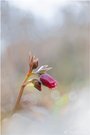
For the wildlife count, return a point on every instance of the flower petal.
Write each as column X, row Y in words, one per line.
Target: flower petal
column 48, row 81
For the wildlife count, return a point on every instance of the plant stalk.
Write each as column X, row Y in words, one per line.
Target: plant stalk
column 21, row 91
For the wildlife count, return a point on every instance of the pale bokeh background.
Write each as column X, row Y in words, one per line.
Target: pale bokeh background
column 57, row 32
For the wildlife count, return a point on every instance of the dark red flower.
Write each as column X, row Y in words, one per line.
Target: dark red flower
column 48, row 81
column 37, row 84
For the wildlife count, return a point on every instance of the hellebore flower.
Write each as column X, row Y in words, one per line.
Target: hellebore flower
column 43, row 78
column 48, row 81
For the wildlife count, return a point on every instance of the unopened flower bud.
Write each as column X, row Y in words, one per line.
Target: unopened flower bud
column 37, row 84
column 35, row 63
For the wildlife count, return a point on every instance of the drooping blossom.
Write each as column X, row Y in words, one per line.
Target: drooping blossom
column 37, row 84
column 48, row 81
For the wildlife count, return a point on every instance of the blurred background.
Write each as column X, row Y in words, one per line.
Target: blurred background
column 57, row 32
